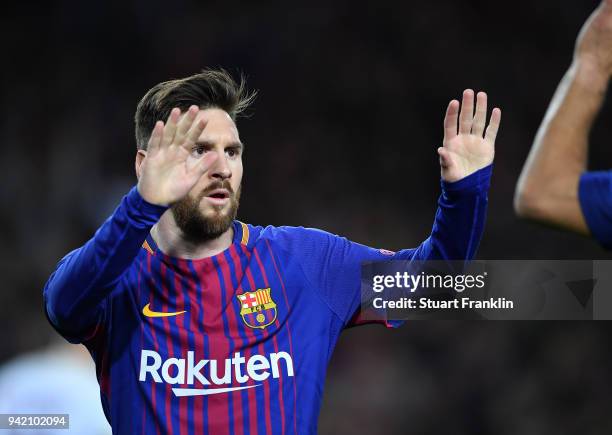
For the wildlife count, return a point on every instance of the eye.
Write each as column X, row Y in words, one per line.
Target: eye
column 199, row 150
column 232, row 152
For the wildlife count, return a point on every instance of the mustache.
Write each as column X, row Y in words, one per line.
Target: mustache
column 217, row 185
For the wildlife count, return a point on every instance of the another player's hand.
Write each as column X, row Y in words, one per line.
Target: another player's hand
column 465, row 150
column 171, row 169
column 594, row 43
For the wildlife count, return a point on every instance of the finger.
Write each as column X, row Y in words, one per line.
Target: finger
column 467, row 112
column 194, row 133
column 450, row 120
column 480, row 118
column 155, row 140
column 170, row 128
column 185, row 124
column 200, row 166
column 491, row 133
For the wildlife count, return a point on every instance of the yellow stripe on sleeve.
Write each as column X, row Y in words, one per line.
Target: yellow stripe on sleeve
column 245, row 234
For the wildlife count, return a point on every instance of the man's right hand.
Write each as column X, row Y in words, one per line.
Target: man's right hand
column 594, row 43
column 169, row 171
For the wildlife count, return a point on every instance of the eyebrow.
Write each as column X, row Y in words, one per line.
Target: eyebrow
column 211, row 144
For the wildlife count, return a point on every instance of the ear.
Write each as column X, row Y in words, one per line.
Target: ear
column 140, row 156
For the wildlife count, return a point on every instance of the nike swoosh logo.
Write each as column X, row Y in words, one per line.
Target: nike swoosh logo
column 147, row 312
column 182, row 392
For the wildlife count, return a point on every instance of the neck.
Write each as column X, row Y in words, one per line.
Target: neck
column 171, row 241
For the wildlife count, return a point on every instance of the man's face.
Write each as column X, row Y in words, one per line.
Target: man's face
column 211, row 205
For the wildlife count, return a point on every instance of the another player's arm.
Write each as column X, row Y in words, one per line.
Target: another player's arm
column 75, row 292
column 547, row 190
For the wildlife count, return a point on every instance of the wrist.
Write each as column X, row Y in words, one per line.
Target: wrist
column 140, row 205
column 589, row 74
column 476, row 182
column 146, row 196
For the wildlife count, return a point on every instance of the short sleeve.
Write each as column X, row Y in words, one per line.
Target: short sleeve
column 595, row 195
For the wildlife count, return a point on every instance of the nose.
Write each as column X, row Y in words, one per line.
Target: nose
column 221, row 169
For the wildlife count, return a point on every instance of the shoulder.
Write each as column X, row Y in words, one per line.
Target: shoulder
column 289, row 236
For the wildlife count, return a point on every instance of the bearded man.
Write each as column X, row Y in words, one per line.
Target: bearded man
column 199, row 323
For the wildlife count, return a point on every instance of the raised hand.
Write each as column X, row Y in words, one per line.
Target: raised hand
column 170, row 169
column 465, row 150
column 594, row 43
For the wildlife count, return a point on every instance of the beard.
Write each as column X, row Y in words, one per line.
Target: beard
column 196, row 226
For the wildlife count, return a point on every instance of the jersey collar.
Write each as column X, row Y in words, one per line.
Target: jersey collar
column 241, row 236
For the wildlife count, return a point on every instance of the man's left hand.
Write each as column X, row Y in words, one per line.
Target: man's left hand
column 464, row 149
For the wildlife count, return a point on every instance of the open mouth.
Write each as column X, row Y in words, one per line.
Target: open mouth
column 218, row 196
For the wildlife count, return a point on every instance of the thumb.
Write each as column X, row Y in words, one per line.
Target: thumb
column 445, row 158
column 206, row 162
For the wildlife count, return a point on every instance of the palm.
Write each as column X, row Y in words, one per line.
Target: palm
column 464, row 149
column 468, row 153
column 169, row 167
column 168, row 172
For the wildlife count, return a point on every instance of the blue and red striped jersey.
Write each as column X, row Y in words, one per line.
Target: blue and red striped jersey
column 237, row 343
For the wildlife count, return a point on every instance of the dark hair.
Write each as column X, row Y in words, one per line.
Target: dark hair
column 210, row 88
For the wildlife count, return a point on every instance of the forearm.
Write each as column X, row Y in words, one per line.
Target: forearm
column 459, row 221
column 75, row 291
column 548, row 186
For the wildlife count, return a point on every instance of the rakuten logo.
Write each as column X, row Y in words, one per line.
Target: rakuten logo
column 257, row 367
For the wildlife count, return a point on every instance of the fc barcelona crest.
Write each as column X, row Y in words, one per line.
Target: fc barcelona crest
column 257, row 308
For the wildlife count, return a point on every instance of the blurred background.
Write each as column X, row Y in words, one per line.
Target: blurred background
column 342, row 137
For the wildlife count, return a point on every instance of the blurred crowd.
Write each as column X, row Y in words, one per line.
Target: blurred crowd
column 342, row 137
